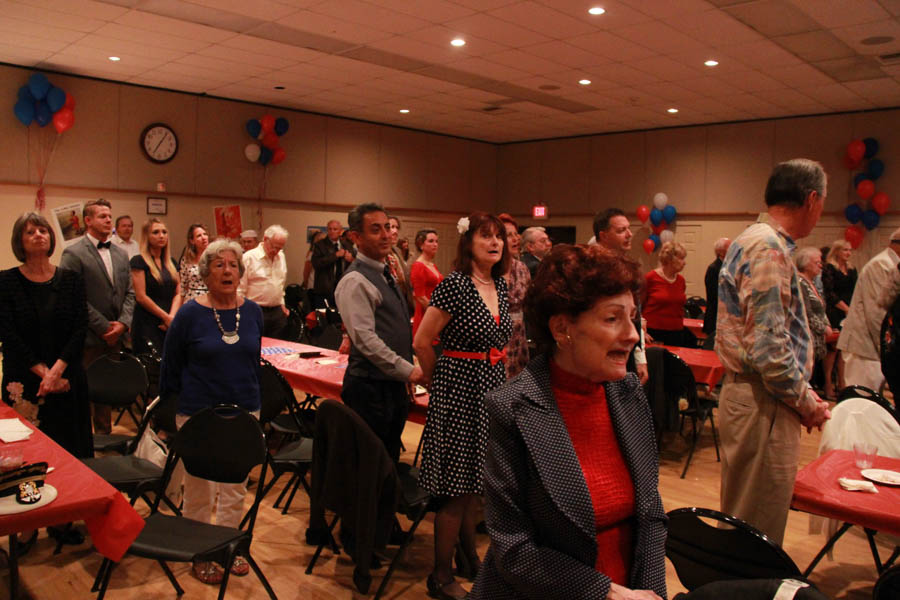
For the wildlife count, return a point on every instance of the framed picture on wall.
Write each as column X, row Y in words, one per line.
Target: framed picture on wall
column 157, row 205
column 312, row 230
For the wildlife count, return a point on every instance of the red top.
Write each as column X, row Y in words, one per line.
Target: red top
column 664, row 302
column 423, row 281
column 584, row 410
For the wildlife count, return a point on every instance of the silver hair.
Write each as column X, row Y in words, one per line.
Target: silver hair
column 217, row 249
column 804, row 256
column 720, row 245
column 529, row 236
column 273, row 231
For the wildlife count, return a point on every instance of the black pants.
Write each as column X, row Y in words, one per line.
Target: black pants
column 383, row 405
column 274, row 322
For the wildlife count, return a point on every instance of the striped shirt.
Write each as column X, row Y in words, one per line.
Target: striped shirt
column 762, row 327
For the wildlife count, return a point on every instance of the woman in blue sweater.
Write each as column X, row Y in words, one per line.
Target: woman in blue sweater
column 211, row 357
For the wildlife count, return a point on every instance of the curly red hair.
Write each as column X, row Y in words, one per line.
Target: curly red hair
column 571, row 279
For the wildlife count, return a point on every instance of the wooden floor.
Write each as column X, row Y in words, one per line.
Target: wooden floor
column 279, row 548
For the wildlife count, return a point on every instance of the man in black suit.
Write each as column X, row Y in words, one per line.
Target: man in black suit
column 712, row 287
column 537, row 245
column 108, row 290
column 330, row 258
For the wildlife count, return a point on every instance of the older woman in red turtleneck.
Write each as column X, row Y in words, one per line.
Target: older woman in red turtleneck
column 571, row 474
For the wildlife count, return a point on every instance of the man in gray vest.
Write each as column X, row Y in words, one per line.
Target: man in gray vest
column 376, row 316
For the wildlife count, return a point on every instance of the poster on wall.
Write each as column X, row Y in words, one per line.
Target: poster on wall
column 312, row 230
column 228, row 221
column 70, row 222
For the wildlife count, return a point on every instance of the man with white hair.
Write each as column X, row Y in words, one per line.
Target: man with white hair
column 537, row 245
column 712, row 287
column 265, row 273
column 860, row 340
column 249, row 239
column 331, row 256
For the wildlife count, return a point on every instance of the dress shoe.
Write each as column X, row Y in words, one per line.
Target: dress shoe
column 439, row 590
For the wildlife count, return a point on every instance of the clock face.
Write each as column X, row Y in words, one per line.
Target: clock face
column 159, row 143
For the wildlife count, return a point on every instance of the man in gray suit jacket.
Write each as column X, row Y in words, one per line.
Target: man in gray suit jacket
column 110, row 295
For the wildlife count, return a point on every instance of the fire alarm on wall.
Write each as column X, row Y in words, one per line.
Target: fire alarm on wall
column 539, row 211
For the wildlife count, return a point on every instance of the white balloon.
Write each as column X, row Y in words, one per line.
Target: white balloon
column 251, row 151
column 660, row 200
column 666, row 235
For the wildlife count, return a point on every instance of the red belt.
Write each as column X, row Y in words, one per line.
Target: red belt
column 493, row 355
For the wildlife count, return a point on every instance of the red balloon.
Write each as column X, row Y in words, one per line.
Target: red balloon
column 643, row 213
column 268, row 124
column 657, row 229
column 270, row 140
column 881, row 203
column 856, row 150
column 70, row 101
column 278, row 155
column 850, row 163
column 865, row 189
column 854, row 235
column 63, row 119
column 649, row 246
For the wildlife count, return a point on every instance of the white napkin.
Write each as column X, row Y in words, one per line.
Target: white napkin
column 13, row 430
column 857, row 485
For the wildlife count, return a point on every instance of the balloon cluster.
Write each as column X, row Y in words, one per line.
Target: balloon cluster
column 268, row 130
column 42, row 102
column 661, row 216
column 864, row 183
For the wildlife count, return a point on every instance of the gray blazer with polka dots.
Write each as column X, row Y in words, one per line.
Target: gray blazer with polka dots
column 538, row 508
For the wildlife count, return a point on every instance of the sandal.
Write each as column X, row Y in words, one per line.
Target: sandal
column 240, row 567
column 207, row 572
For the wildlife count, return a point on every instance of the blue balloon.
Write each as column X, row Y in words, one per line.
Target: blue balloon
column 854, row 213
column 870, row 219
column 56, row 99
column 669, row 213
column 876, row 168
column 265, row 155
column 38, row 85
column 656, row 241
column 25, row 94
column 656, row 216
column 42, row 113
column 859, row 177
column 253, row 128
column 281, row 126
column 871, row 147
column 24, row 111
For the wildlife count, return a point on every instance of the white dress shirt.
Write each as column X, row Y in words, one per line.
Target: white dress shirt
column 264, row 278
column 130, row 247
column 105, row 255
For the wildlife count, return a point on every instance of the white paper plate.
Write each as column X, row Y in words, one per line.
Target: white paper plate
column 881, row 476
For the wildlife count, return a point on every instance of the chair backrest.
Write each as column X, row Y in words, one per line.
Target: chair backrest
column 276, row 394
column 145, row 422
column 327, row 335
column 888, row 585
column 116, row 381
column 693, row 307
column 151, row 361
column 858, row 419
column 679, row 379
column 702, row 553
column 221, row 443
column 294, row 296
column 861, row 391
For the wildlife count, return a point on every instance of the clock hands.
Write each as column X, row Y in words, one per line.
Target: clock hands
column 165, row 135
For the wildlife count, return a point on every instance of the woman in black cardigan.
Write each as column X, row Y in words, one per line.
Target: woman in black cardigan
column 571, row 475
column 43, row 321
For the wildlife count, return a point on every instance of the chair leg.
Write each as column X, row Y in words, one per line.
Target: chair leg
column 712, row 424
column 284, row 491
column 890, row 561
column 406, row 541
column 261, row 577
column 105, row 583
column 100, row 573
column 326, row 537
column 870, row 533
column 171, row 577
column 694, row 437
column 415, row 461
column 225, row 576
column 297, row 479
column 828, row 546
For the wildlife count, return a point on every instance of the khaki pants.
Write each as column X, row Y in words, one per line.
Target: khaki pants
column 760, row 443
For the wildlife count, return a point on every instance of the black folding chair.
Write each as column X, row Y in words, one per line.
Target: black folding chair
column 118, row 382
column 888, row 585
column 221, row 444
column 861, row 391
column 703, row 553
column 693, row 307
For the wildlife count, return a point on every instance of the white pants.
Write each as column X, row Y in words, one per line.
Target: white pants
column 862, row 371
column 200, row 495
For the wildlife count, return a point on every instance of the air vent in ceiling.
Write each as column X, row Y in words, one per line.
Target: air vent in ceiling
column 889, row 59
column 492, row 109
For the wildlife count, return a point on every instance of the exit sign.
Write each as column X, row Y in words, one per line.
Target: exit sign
column 539, row 211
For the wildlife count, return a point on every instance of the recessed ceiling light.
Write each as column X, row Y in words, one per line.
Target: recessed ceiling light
column 114, row 58
column 279, row 87
column 711, row 63
column 596, row 10
column 458, row 42
column 672, row 110
column 584, row 81
column 404, row 110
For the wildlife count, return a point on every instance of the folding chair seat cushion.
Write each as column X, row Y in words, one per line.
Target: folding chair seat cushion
column 123, row 471
column 299, row 451
column 165, row 537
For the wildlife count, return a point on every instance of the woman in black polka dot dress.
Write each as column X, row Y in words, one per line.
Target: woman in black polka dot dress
column 469, row 310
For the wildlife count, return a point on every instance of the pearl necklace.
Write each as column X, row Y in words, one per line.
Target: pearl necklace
column 482, row 281
column 229, row 337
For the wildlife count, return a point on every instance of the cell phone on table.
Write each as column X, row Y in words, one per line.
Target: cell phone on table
column 310, row 354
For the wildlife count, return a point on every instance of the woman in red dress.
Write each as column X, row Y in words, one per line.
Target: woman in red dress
column 424, row 275
column 664, row 298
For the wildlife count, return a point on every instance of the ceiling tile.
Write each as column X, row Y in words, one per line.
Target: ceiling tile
column 265, row 10
column 442, row 35
column 371, row 15
column 800, row 76
column 21, row 55
column 543, row 18
column 413, row 48
column 835, row 14
column 250, row 58
column 564, row 53
column 83, row 8
column 773, row 17
column 715, row 28
column 36, row 30
column 12, row 39
column 269, row 48
column 880, row 91
column 854, row 35
column 47, row 16
column 122, row 48
column 151, row 38
column 502, row 32
column 750, row 81
column 523, row 61
column 660, row 37
column 603, row 76
column 710, row 86
column 611, row 46
column 761, row 55
column 215, row 63
column 815, row 45
column 149, row 22
column 666, row 69
column 345, row 30
column 434, row 11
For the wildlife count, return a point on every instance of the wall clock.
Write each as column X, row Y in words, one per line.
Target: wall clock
column 159, row 143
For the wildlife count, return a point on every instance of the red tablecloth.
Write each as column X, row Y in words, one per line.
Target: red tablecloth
column 307, row 374
column 817, row 491
column 695, row 326
column 83, row 495
column 704, row 364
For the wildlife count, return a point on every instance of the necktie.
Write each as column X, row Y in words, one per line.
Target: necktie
column 389, row 277
column 101, row 245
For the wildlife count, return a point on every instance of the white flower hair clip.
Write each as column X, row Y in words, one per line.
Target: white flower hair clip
column 462, row 226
